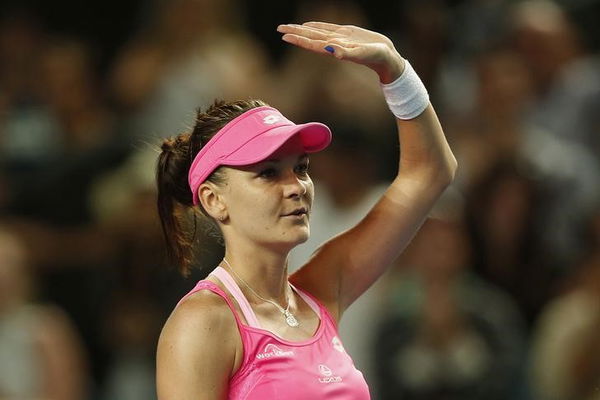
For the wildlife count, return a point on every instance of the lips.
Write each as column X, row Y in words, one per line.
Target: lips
column 297, row 212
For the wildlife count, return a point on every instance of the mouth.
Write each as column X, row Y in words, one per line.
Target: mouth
column 297, row 213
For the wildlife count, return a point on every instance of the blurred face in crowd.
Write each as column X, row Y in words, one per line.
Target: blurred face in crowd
column 504, row 84
column 440, row 250
column 509, row 210
column 545, row 38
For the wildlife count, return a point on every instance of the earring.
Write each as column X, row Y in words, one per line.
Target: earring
column 222, row 218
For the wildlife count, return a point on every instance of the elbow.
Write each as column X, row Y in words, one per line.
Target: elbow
column 439, row 173
column 444, row 173
column 451, row 166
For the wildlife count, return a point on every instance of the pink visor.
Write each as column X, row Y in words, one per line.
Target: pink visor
column 251, row 138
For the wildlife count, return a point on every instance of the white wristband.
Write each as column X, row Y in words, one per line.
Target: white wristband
column 406, row 96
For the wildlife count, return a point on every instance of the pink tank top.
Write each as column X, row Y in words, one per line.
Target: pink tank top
column 274, row 368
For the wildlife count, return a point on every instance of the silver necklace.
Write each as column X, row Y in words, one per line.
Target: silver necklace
column 289, row 317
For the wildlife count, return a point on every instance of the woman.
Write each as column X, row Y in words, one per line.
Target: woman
column 257, row 333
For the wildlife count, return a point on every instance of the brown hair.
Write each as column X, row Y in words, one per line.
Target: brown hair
column 174, row 193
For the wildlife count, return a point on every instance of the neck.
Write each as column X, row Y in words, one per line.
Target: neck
column 264, row 271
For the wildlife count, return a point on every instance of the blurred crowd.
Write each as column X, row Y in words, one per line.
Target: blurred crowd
column 498, row 295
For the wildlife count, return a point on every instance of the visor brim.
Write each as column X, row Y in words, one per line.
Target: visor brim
column 314, row 136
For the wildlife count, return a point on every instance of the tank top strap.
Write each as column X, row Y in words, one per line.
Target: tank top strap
column 208, row 285
column 308, row 299
column 235, row 291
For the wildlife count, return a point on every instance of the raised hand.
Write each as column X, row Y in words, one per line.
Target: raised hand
column 347, row 42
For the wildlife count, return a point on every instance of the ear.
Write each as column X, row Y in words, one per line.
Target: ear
column 211, row 200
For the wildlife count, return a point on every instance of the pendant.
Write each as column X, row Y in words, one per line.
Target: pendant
column 290, row 319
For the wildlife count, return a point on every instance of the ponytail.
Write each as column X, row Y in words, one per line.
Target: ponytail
column 175, row 204
column 174, row 197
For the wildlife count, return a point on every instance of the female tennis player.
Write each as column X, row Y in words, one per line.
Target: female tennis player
column 250, row 330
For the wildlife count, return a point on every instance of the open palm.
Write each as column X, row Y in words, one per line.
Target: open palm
column 346, row 42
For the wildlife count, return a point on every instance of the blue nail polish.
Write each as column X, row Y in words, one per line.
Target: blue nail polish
column 329, row 49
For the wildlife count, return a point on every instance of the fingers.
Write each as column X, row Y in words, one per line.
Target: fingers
column 313, row 38
column 333, row 47
column 309, row 32
column 306, row 43
column 323, row 25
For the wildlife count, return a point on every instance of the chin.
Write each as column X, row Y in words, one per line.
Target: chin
column 303, row 239
column 298, row 238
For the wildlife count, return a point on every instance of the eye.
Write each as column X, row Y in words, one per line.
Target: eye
column 302, row 168
column 268, row 173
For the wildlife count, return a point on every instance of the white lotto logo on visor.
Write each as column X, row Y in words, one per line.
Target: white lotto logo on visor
column 271, row 119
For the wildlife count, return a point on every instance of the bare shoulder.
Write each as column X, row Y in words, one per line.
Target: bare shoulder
column 202, row 318
column 203, row 309
column 198, row 350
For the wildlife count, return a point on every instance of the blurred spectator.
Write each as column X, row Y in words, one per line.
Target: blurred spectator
column 497, row 129
column 188, row 53
column 493, row 129
column 421, row 34
column 503, row 212
column 20, row 40
column 60, row 138
column 40, row 352
column 566, row 345
column 20, row 43
column 53, row 146
column 447, row 334
column 132, row 330
column 563, row 140
column 124, row 207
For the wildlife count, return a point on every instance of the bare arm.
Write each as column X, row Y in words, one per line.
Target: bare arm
column 347, row 265
column 198, row 350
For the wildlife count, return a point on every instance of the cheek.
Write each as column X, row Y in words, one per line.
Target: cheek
column 310, row 191
column 310, row 188
column 252, row 206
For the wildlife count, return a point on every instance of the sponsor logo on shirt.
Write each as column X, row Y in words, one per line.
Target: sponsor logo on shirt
column 327, row 375
column 272, row 351
column 337, row 344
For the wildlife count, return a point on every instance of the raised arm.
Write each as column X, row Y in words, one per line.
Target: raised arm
column 347, row 265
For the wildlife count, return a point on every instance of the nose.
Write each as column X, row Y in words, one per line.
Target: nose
column 294, row 186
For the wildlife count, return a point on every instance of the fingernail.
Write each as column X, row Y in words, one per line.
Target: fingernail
column 329, row 49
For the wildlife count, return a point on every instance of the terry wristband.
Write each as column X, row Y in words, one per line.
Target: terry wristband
column 406, row 97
